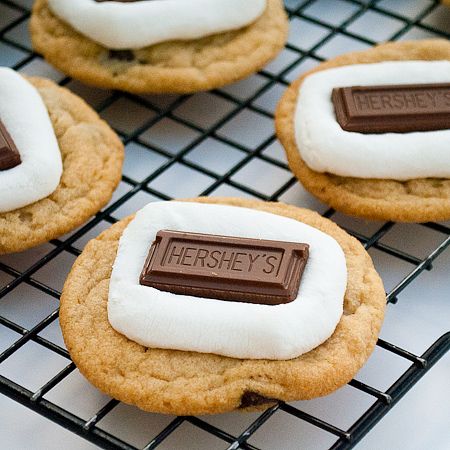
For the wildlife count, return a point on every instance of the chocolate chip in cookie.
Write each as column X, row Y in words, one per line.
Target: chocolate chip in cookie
column 121, row 55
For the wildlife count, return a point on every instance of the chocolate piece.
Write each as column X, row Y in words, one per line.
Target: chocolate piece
column 225, row 268
column 250, row 398
column 393, row 108
column 121, row 55
column 9, row 155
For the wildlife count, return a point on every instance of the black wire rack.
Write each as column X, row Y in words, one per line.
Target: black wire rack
column 408, row 21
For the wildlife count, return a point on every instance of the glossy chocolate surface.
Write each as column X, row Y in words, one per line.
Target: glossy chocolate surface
column 393, row 108
column 9, row 155
column 225, row 268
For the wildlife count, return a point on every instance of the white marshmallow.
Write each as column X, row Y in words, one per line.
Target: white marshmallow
column 119, row 26
column 25, row 116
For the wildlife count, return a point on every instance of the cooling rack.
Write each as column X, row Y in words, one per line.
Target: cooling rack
column 218, row 143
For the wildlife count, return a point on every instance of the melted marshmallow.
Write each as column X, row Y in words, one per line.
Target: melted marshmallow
column 242, row 330
column 326, row 147
column 119, row 26
column 25, row 116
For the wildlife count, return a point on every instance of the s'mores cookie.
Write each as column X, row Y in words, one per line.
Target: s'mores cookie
column 159, row 46
column 218, row 305
column 368, row 132
column 59, row 162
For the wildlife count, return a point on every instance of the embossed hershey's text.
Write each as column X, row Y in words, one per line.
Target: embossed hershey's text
column 402, row 101
column 223, row 258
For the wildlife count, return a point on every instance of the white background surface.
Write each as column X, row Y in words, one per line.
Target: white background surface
column 420, row 421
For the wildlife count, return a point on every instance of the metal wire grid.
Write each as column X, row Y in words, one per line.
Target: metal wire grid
column 298, row 10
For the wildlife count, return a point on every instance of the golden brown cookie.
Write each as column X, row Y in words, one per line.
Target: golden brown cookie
column 92, row 156
column 177, row 66
column 418, row 200
column 177, row 382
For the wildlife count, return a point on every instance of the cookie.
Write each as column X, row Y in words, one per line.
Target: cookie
column 175, row 66
column 187, row 382
column 90, row 155
column 405, row 200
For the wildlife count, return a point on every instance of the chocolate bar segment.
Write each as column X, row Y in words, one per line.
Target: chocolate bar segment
column 225, row 268
column 9, row 155
column 393, row 108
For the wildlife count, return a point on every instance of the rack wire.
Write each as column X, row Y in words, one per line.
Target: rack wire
column 397, row 20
